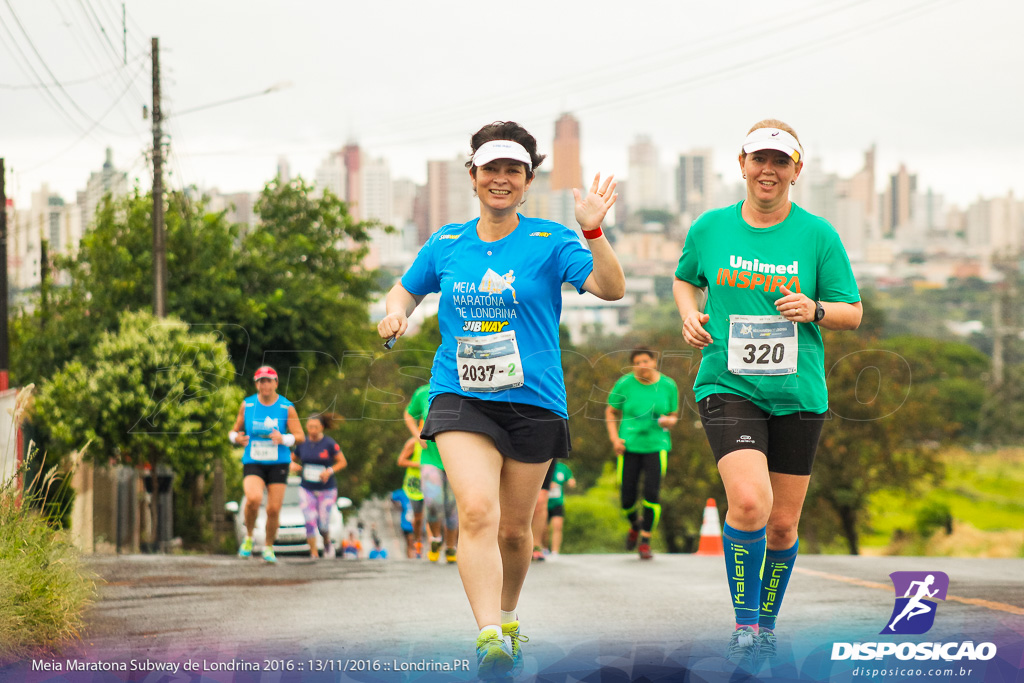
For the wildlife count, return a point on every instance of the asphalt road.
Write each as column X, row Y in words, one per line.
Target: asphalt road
column 618, row 617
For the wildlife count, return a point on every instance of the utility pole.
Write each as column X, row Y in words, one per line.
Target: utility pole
column 159, row 247
column 159, row 259
column 1005, row 315
column 4, row 361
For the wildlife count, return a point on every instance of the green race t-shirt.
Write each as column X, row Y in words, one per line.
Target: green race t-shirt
column 411, row 480
column 641, row 405
column 743, row 269
column 556, row 493
column 419, row 404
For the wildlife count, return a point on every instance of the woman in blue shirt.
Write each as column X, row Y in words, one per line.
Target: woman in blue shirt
column 498, row 408
column 265, row 462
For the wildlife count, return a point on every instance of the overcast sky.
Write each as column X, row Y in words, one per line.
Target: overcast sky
column 934, row 84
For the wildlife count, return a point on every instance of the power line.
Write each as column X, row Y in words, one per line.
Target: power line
column 56, row 82
column 87, row 132
column 79, row 81
column 34, row 74
column 625, row 71
column 103, row 31
column 663, row 90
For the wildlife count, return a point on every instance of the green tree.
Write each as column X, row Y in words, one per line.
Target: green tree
column 1002, row 415
column 154, row 393
column 290, row 292
column 875, row 436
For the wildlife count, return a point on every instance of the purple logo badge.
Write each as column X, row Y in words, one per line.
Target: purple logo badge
column 916, row 596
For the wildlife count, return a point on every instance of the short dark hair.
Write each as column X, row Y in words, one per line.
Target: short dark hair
column 505, row 130
column 641, row 351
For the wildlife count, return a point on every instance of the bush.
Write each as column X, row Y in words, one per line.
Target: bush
column 43, row 587
column 931, row 516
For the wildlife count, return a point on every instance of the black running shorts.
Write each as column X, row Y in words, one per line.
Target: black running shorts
column 520, row 431
column 733, row 423
column 270, row 474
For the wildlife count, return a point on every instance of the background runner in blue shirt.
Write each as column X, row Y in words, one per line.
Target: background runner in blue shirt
column 498, row 408
column 265, row 462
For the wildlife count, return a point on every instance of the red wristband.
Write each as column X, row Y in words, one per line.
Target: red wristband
column 593, row 234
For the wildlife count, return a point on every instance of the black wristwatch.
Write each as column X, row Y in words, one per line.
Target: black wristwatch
column 819, row 312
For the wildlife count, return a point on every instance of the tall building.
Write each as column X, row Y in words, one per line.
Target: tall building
column 284, row 169
column 861, row 188
column 352, row 157
column 108, row 180
column 695, row 184
column 330, row 175
column 450, row 197
column 898, row 201
column 239, row 207
column 403, row 213
column 375, row 193
column 566, row 171
column 995, row 226
column 644, row 188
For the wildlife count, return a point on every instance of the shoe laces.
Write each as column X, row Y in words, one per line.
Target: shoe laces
column 742, row 643
column 515, row 637
column 766, row 642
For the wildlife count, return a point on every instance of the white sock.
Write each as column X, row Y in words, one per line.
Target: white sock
column 506, row 617
column 496, row 629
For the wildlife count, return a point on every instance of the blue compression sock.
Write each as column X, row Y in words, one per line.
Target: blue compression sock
column 744, row 562
column 778, row 567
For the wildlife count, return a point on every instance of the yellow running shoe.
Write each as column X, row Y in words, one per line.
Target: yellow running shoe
column 434, row 554
column 245, row 550
column 449, row 555
column 493, row 660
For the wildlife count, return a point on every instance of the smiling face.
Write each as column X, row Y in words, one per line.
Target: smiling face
column 769, row 174
column 501, row 185
column 314, row 428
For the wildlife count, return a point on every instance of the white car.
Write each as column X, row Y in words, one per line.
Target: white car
column 291, row 532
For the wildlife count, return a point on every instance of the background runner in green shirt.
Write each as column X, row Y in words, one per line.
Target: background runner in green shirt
column 556, row 503
column 438, row 499
column 773, row 274
column 642, row 407
column 409, row 458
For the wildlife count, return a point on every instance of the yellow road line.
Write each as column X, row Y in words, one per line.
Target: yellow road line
column 988, row 604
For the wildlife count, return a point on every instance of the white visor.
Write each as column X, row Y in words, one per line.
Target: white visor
column 773, row 138
column 502, row 149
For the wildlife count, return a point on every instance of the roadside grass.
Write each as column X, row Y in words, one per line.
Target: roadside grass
column 983, row 496
column 44, row 588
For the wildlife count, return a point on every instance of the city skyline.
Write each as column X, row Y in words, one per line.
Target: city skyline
column 929, row 85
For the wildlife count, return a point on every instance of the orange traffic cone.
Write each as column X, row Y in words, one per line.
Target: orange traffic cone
column 710, row 531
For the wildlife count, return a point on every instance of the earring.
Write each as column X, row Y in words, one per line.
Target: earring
column 792, row 182
column 744, row 176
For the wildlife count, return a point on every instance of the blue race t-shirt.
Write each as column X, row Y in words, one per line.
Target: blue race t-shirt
column 316, row 456
column 260, row 421
column 513, row 285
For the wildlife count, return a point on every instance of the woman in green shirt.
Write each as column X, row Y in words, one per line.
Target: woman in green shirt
column 772, row 274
